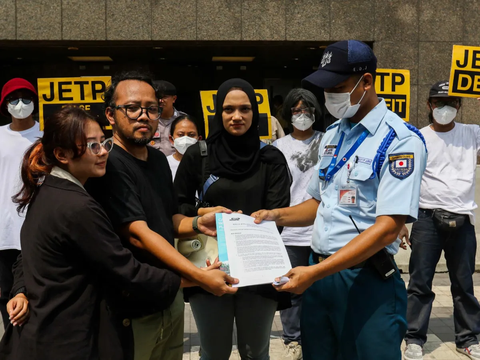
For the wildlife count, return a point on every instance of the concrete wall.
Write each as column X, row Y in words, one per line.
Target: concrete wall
column 411, row 34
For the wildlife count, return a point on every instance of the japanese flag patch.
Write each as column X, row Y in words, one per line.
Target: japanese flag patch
column 401, row 165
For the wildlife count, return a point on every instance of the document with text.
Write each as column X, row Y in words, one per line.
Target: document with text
column 253, row 253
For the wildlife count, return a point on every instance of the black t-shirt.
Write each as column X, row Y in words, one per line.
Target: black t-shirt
column 134, row 190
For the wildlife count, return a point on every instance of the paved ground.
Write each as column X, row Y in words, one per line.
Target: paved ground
column 440, row 343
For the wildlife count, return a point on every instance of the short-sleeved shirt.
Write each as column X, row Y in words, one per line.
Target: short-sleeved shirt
column 449, row 179
column 134, row 190
column 395, row 191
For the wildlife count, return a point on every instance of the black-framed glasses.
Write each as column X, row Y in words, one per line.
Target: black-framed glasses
column 133, row 112
column 303, row 110
column 15, row 101
column 96, row 147
column 441, row 103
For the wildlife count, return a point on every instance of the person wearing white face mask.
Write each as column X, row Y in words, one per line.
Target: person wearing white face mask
column 300, row 147
column 445, row 223
column 18, row 101
column 183, row 134
column 354, row 299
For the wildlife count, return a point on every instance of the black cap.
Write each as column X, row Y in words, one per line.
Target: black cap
column 165, row 87
column 342, row 60
column 440, row 89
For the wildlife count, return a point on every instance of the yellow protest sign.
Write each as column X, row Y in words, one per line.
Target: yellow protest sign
column 394, row 86
column 265, row 127
column 465, row 72
column 84, row 92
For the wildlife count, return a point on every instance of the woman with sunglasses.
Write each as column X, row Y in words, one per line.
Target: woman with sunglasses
column 250, row 177
column 70, row 253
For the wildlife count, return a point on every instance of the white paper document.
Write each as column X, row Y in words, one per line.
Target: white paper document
column 253, row 253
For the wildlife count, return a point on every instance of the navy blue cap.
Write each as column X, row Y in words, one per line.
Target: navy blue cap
column 342, row 60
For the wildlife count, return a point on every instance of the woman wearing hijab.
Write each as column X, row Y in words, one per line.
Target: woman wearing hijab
column 249, row 178
column 70, row 252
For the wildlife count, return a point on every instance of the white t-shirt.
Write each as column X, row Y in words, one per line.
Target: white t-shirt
column 302, row 156
column 449, row 179
column 173, row 165
column 13, row 145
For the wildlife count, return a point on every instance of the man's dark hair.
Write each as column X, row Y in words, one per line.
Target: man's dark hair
column 109, row 96
column 179, row 119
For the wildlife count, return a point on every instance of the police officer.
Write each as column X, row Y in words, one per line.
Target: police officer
column 366, row 186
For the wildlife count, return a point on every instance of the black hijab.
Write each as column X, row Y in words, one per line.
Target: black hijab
column 236, row 156
column 229, row 155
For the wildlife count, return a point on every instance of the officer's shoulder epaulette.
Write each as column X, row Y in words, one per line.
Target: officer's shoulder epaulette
column 334, row 125
column 398, row 125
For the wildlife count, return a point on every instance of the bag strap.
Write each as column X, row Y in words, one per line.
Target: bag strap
column 204, row 153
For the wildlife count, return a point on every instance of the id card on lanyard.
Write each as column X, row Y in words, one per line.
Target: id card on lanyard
column 347, row 195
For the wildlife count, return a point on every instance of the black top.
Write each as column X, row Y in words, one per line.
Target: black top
column 70, row 254
column 268, row 187
column 134, row 190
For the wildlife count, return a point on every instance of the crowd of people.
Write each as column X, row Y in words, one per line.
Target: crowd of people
column 88, row 265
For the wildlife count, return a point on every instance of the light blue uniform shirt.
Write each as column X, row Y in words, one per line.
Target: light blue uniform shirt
column 387, row 195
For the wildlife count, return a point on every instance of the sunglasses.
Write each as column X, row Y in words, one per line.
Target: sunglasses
column 96, row 147
column 15, row 101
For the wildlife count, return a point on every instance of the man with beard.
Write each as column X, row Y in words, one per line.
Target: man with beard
column 137, row 194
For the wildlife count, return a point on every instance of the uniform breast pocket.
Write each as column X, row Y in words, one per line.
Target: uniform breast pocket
column 361, row 177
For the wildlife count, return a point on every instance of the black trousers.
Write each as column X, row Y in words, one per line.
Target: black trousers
column 7, row 259
column 460, row 247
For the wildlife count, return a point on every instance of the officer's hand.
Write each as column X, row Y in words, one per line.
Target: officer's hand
column 261, row 215
column 17, row 309
column 403, row 235
column 218, row 282
column 301, row 278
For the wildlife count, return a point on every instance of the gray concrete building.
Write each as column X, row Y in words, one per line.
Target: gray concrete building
column 177, row 40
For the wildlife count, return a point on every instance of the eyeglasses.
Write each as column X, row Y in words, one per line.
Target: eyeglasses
column 133, row 112
column 303, row 110
column 440, row 103
column 96, row 147
column 15, row 101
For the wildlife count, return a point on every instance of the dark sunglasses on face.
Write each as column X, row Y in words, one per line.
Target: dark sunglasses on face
column 15, row 101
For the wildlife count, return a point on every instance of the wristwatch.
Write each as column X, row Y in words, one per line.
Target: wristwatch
column 195, row 225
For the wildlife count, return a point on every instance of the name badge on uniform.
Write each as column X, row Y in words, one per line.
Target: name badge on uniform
column 329, row 150
column 347, row 196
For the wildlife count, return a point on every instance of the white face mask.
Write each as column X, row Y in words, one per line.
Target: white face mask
column 303, row 121
column 339, row 105
column 21, row 110
column 444, row 115
column 183, row 143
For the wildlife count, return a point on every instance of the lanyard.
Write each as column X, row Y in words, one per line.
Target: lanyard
column 332, row 168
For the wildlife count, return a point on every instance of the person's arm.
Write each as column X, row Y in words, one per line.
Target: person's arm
column 368, row 243
column 214, row 281
column 17, row 307
column 386, row 228
column 296, row 216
